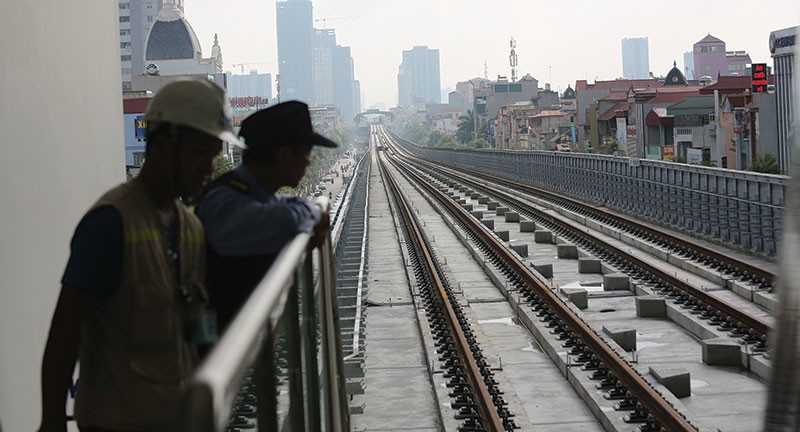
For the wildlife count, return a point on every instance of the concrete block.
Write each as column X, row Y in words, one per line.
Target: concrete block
column 589, row 265
column 521, row 249
column 527, row 226
column 651, row 306
column 474, row 195
column 461, row 201
column 616, row 281
column 489, row 223
column 676, row 380
column 483, row 200
column 545, row 269
column 568, row 251
column 512, row 216
column 578, row 296
column 467, row 207
column 477, row 214
column 504, row 235
column 501, row 211
column 721, row 352
column 543, row 236
column 492, row 205
column 625, row 337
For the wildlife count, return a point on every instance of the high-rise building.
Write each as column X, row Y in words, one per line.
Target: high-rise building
column 343, row 81
column 324, row 45
column 418, row 79
column 295, row 32
column 333, row 73
column 249, row 85
column 688, row 65
column 135, row 19
column 635, row 58
column 782, row 44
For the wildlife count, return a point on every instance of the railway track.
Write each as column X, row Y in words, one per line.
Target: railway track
column 473, row 390
column 751, row 329
column 586, row 348
column 719, row 261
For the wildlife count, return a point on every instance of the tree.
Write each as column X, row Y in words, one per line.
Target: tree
column 221, row 166
column 766, row 163
column 466, row 127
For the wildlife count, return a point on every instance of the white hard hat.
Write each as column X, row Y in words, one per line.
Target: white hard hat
column 194, row 102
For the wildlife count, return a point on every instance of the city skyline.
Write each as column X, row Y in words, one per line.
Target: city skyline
column 469, row 33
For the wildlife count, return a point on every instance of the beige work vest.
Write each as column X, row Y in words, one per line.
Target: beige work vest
column 134, row 356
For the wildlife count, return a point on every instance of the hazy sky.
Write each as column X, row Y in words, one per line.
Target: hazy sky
column 557, row 41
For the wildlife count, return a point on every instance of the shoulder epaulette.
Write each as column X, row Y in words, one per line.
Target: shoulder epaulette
column 238, row 185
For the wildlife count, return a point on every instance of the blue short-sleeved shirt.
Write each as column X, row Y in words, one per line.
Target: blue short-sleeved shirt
column 253, row 223
column 95, row 259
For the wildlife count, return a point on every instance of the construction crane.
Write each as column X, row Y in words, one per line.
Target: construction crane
column 325, row 20
column 242, row 65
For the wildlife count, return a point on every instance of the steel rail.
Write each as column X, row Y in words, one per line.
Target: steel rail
column 708, row 253
column 756, row 324
column 489, row 417
column 669, row 417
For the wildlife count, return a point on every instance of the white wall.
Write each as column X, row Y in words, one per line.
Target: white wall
column 62, row 145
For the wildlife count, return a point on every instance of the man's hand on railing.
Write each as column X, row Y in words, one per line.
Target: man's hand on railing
column 321, row 228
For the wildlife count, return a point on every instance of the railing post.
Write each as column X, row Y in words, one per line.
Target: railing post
column 265, row 385
column 337, row 414
column 294, row 357
column 308, row 330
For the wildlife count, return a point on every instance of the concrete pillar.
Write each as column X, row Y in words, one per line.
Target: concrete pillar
column 521, row 249
column 578, row 296
column 651, row 306
column 625, row 337
column 616, row 281
column 567, row 251
column 677, row 380
column 721, row 352
column 589, row 265
column 545, row 269
column 543, row 236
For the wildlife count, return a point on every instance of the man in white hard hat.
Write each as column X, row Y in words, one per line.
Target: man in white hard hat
column 132, row 302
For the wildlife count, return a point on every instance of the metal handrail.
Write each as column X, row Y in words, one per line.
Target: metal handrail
column 289, row 298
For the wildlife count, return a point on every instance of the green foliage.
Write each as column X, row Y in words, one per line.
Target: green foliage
column 708, row 163
column 221, row 166
column 466, row 127
column 679, row 159
column 766, row 163
column 440, row 139
column 478, row 143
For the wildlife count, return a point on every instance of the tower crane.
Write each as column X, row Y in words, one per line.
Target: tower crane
column 242, row 65
column 325, row 20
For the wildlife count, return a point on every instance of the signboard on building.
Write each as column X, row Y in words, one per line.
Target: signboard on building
column 694, row 156
column 758, row 77
column 668, row 152
column 139, row 126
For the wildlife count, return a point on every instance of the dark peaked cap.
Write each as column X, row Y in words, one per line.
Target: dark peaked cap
column 284, row 124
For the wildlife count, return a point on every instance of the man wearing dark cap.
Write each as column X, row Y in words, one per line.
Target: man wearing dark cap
column 246, row 222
